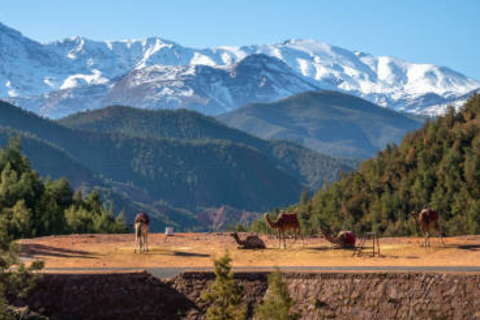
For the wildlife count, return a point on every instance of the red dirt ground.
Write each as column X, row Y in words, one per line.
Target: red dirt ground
column 198, row 249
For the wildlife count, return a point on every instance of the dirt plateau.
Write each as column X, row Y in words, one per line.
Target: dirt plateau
column 139, row 295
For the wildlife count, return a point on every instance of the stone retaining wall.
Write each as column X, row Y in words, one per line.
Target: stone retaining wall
column 317, row 295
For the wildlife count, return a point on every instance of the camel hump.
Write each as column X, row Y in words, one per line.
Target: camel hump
column 143, row 218
column 289, row 217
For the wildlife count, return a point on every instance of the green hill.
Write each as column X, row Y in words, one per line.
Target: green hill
column 437, row 165
column 189, row 173
column 49, row 160
column 206, row 165
column 311, row 169
column 330, row 122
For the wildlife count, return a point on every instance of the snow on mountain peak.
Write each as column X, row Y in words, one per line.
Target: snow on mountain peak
column 37, row 70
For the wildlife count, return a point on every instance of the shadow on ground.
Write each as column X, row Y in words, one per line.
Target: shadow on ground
column 31, row 250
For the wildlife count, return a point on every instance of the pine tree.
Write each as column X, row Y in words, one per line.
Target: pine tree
column 224, row 295
column 15, row 282
column 305, row 197
column 277, row 303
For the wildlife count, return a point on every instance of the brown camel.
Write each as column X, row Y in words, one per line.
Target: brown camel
column 427, row 220
column 250, row 242
column 141, row 232
column 344, row 239
column 285, row 222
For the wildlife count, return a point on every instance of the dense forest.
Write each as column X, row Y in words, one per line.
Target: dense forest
column 30, row 206
column 310, row 168
column 437, row 165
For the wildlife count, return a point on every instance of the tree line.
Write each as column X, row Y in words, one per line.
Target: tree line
column 437, row 166
column 31, row 206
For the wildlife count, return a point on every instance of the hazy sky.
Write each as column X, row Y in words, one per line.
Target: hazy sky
column 434, row 31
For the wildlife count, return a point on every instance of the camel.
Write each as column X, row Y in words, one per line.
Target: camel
column 141, row 232
column 344, row 239
column 285, row 222
column 250, row 242
column 427, row 220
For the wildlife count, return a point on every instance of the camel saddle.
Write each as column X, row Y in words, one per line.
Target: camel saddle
column 350, row 238
column 429, row 215
column 143, row 218
column 289, row 217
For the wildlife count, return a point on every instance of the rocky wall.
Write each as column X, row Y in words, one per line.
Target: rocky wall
column 317, row 295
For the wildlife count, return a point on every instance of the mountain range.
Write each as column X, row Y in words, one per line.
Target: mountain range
column 63, row 77
column 173, row 164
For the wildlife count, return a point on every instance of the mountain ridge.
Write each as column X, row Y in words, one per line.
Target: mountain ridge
column 330, row 122
column 78, row 63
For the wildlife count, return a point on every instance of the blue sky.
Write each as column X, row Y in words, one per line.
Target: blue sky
column 434, row 31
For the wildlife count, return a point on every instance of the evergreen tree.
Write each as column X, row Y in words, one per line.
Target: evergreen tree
column 437, row 165
column 305, row 197
column 30, row 207
column 16, row 282
column 224, row 295
column 277, row 303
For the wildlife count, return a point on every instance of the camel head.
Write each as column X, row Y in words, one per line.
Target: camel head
column 415, row 214
column 325, row 231
column 272, row 224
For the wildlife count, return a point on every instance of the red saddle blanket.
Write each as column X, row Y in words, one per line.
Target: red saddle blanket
column 350, row 237
column 428, row 215
column 289, row 217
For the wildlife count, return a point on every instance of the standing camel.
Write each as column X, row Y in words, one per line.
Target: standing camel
column 427, row 220
column 285, row 222
column 141, row 232
column 344, row 239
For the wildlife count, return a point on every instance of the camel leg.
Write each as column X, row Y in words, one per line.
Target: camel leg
column 136, row 242
column 279, row 238
column 146, row 241
column 284, row 240
column 427, row 240
column 440, row 235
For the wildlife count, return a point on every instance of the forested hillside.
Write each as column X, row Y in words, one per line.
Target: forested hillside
column 178, row 161
column 310, row 168
column 181, row 172
column 438, row 165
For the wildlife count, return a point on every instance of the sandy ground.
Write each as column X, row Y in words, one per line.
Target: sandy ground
column 198, row 250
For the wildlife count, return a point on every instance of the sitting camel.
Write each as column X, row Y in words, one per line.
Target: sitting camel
column 427, row 220
column 250, row 242
column 344, row 239
column 285, row 222
column 141, row 232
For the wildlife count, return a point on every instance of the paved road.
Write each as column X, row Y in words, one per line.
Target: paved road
column 167, row 272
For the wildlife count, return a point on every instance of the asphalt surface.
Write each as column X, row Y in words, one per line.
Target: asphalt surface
column 169, row 272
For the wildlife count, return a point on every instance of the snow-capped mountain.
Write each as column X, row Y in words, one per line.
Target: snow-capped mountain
column 70, row 75
column 257, row 78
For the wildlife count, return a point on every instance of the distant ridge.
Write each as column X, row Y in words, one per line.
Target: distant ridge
column 329, row 122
